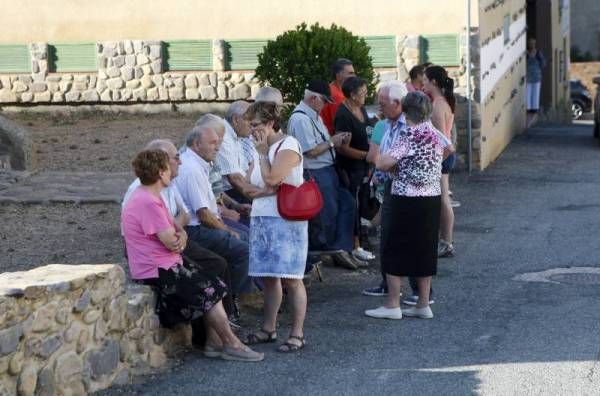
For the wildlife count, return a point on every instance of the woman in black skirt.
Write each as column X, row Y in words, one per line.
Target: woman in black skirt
column 411, row 208
column 185, row 293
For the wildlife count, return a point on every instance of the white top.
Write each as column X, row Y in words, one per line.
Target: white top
column 267, row 206
column 193, row 183
column 231, row 158
column 169, row 195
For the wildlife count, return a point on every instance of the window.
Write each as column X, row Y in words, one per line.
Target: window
column 382, row 50
column 506, row 30
column 78, row 57
column 187, row 55
column 15, row 59
column 243, row 54
column 440, row 49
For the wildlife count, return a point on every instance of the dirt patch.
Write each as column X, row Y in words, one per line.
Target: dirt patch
column 97, row 141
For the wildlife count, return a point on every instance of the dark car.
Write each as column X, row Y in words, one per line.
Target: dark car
column 581, row 99
column 597, row 108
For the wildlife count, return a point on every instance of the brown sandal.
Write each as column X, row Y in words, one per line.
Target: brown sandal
column 288, row 347
column 253, row 338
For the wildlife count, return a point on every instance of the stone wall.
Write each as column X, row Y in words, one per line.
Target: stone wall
column 585, row 71
column 74, row 329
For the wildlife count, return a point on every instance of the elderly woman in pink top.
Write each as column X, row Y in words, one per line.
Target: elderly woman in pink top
column 184, row 292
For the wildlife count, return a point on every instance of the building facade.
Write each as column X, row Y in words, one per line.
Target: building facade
column 126, row 52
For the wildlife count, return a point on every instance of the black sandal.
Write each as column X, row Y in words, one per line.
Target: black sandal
column 288, row 347
column 253, row 338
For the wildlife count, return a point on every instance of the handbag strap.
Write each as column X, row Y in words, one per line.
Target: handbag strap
column 316, row 128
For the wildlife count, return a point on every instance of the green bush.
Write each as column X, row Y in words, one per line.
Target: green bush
column 297, row 56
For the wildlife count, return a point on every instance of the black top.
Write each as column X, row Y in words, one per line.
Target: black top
column 345, row 121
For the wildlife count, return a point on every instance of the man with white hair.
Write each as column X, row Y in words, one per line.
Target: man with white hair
column 332, row 229
column 206, row 225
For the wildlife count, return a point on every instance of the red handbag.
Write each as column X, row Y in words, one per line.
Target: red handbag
column 299, row 203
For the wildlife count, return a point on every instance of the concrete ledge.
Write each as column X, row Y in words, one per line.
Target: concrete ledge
column 74, row 329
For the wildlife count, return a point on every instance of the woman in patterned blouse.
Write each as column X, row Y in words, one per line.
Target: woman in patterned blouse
column 411, row 208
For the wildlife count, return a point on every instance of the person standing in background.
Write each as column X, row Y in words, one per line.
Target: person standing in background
column 535, row 63
column 341, row 70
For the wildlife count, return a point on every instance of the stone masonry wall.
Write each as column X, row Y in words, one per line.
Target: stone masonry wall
column 585, row 71
column 75, row 329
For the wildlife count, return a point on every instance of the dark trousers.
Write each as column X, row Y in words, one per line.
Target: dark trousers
column 384, row 212
column 233, row 250
column 356, row 178
column 332, row 228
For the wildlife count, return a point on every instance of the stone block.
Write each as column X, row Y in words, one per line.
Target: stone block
column 113, row 71
column 82, row 302
column 142, row 59
column 139, row 73
column 208, row 93
column 222, row 92
column 213, row 79
column 127, row 72
column 80, row 85
column 7, row 96
column 163, row 93
column 133, row 84
column 139, row 94
column 65, row 86
column 35, row 68
column 138, row 45
column 46, row 386
column 91, row 96
column 128, row 47
column 203, row 80
column 72, row 96
column 130, row 60
column 168, row 83
column 42, row 97
column 44, row 317
column 240, row 92
column 126, row 94
column 68, row 367
column 192, row 94
column 53, row 87
column 100, row 330
column 27, row 97
column 152, row 94
column 119, row 61
column 9, row 339
column 155, row 52
column 91, row 316
column 191, row 81
column 157, row 79
column 115, row 83
column 176, row 93
column 27, row 380
column 82, row 340
column 104, row 360
column 147, row 70
column 25, row 79
column 387, row 76
column 157, row 67
column 147, row 82
column 58, row 97
column 157, row 358
column 16, row 363
column 19, row 86
column 105, row 96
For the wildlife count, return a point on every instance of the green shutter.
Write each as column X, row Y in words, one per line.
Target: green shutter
column 243, row 54
column 14, row 59
column 382, row 50
column 73, row 57
column 440, row 49
column 187, row 55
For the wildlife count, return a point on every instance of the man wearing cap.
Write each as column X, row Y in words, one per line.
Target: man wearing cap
column 340, row 70
column 332, row 229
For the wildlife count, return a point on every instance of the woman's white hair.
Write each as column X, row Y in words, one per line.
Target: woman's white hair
column 396, row 90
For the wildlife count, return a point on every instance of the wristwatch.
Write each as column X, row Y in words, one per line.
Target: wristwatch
column 331, row 144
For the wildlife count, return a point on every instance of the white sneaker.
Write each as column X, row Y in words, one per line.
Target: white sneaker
column 385, row 313
column 423, row 313
column 363, row 254
column 454, row 204
column 412, row 300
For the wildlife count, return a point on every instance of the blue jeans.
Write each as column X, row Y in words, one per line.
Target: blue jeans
column 333, row 227
column 233, row 250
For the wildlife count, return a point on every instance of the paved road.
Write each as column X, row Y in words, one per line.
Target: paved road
column 536, row 208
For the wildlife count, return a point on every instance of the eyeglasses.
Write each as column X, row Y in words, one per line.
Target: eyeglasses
column 362, row 93
column 256, row 124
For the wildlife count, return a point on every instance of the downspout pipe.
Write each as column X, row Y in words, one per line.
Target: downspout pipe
column 469, row 108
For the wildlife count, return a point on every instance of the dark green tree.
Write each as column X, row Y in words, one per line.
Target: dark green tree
column 295, row 57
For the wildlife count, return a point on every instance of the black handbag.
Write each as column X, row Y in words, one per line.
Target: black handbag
column 368, row 204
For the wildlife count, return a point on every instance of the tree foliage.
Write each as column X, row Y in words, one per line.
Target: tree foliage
column 295, row 57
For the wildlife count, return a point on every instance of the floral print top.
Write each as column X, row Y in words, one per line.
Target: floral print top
column 419, row 151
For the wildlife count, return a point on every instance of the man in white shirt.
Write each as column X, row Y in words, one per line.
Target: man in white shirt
column 206, row 226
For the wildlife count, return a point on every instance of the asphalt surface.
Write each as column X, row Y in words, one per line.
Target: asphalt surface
column 536, row 208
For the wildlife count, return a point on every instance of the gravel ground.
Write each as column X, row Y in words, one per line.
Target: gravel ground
column 97, row 141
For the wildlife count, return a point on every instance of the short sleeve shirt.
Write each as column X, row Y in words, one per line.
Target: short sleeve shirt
column 330, row 109
column 143, row 217
column 345, row 121
column 378, row 131
column 267, row 206
column 231, row 158
column 193, row 182
column 419, row 152
column 308, row 128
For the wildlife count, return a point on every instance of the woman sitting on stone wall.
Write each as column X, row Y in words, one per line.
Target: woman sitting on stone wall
column 185, row 292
